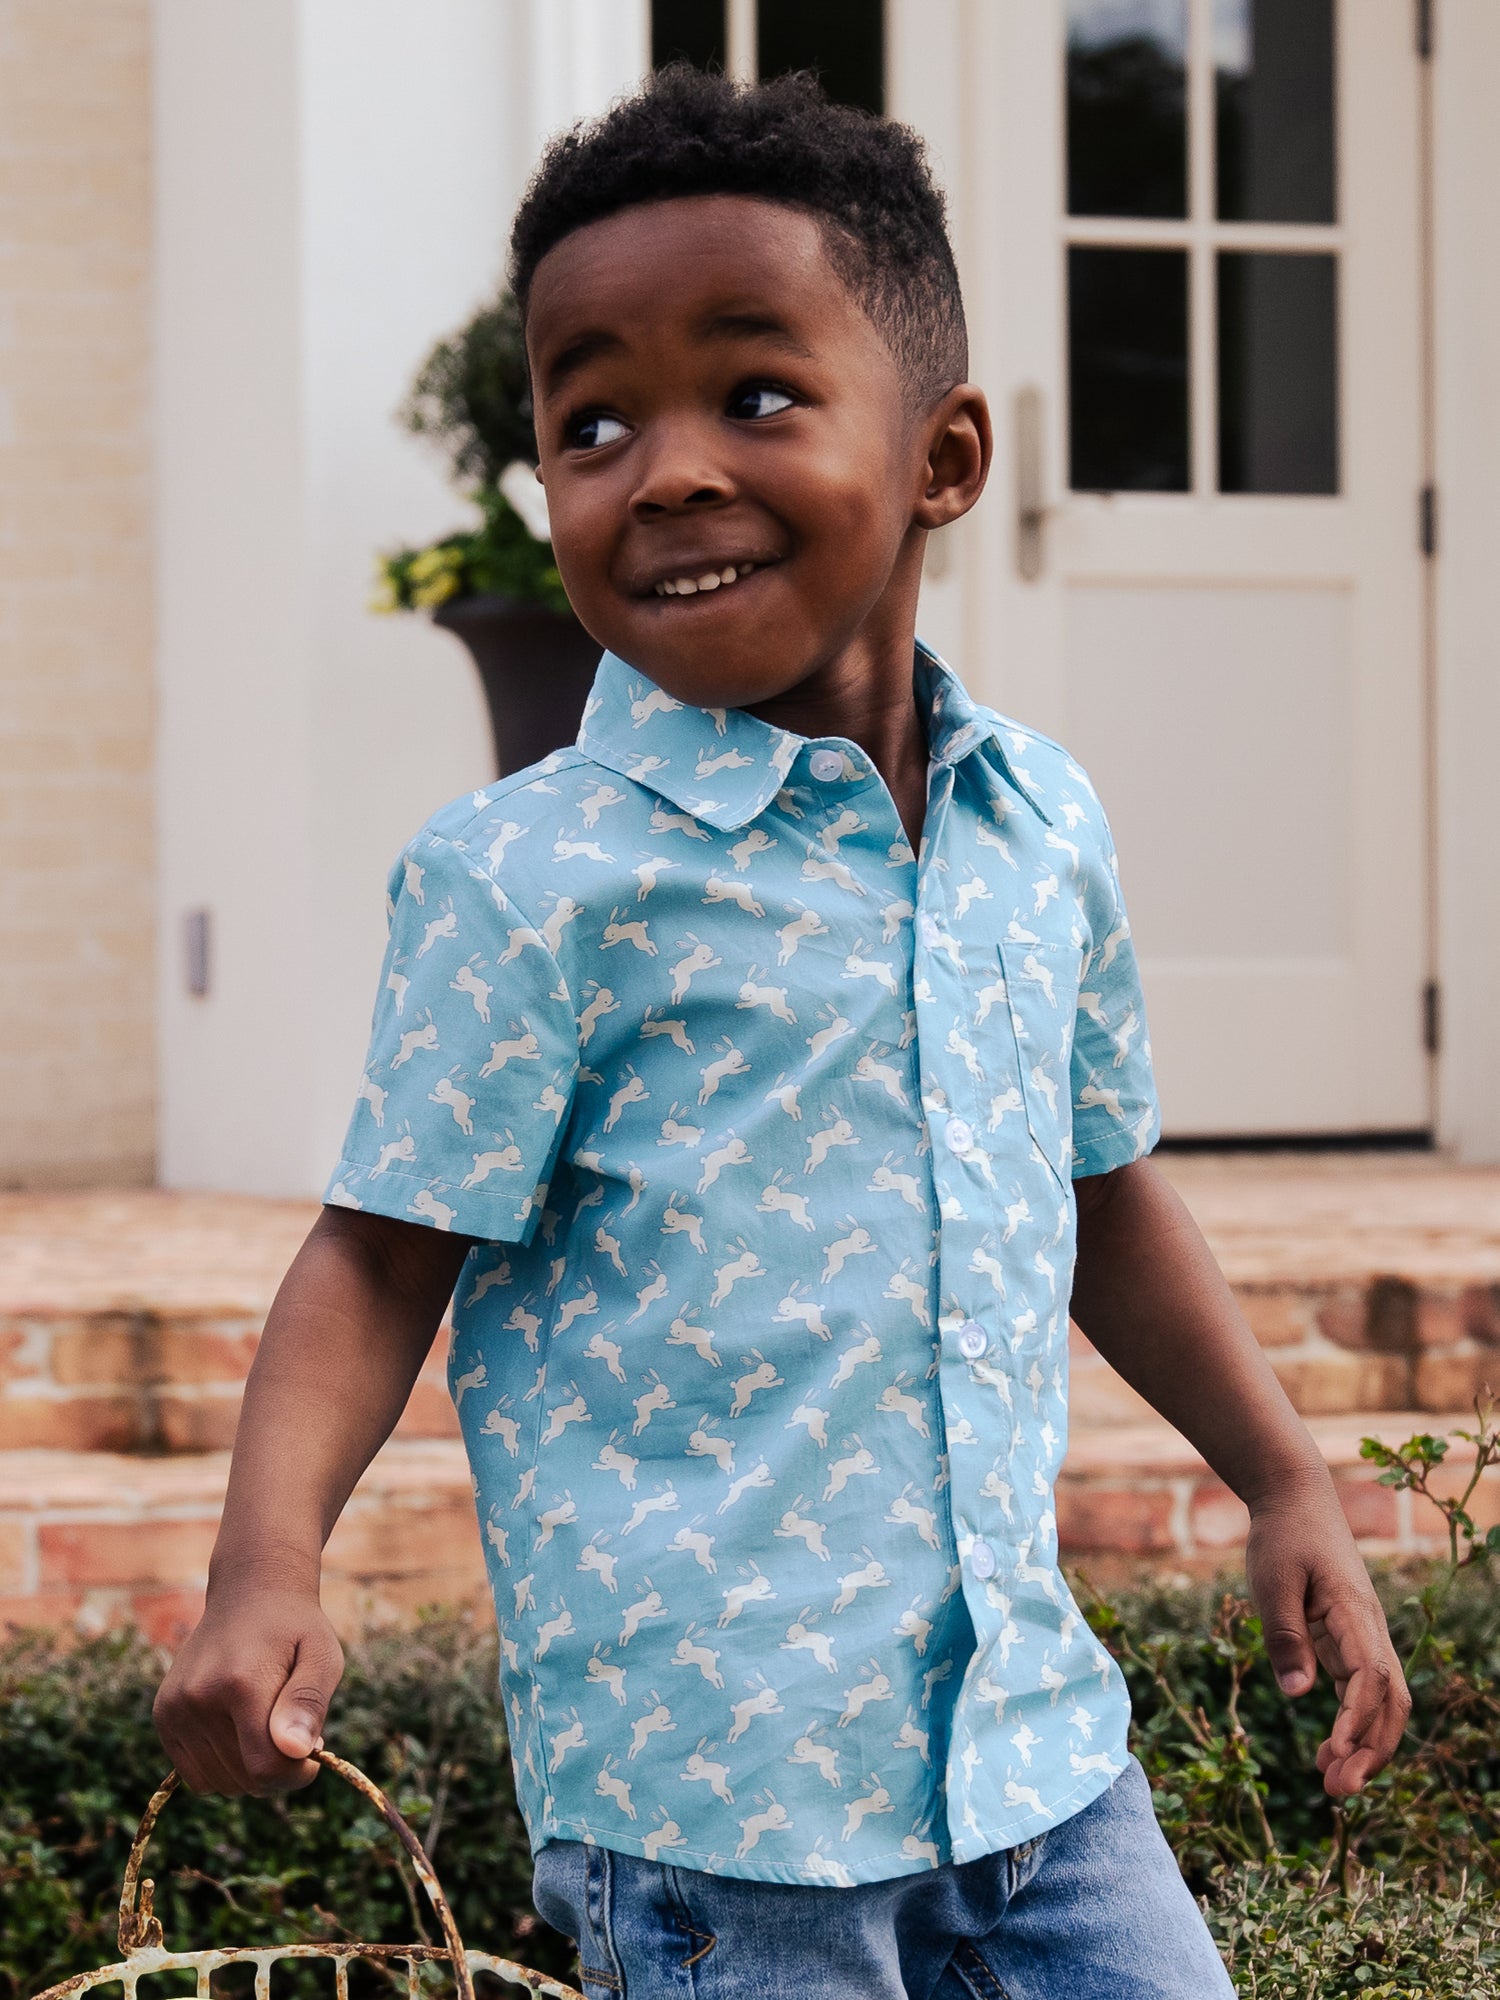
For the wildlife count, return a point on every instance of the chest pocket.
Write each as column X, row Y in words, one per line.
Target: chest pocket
column 1041, row 983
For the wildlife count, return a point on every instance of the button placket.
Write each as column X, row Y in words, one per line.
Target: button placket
column 967, row 1195
column 958, row 1136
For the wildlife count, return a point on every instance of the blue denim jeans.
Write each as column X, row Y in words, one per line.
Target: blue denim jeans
column 1093, row 1910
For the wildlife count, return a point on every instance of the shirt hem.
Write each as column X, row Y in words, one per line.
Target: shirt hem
column 879, row 1868
column 887, row 1867
column 490, row 1219
column 1102, row 1156
column 1034, row 1825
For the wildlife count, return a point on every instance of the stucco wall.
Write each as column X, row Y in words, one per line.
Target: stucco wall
column 1466, row 287
column 76, row 889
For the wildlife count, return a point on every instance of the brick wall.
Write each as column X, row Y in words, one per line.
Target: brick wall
column 76, row 971
column 152, row 1380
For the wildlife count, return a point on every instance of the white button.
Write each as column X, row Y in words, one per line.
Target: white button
column 972, row 1340
column 982, row 1560
column 959, row 1135
column 826, row 765
column 927, row 929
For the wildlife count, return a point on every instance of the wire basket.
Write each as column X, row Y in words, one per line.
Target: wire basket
column 140, row 1933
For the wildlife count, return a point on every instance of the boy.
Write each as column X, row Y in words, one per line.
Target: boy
column 753, row 1068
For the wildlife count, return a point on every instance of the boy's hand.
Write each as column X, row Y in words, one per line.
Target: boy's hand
column 242, row 1708
column 1317, row 1603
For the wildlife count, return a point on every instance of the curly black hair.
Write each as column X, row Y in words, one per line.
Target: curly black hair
column 865, row 179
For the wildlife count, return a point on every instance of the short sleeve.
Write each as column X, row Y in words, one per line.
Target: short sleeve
column 1115, row 1114
column 472, row 1060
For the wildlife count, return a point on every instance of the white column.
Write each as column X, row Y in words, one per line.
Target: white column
column 335, row 180
column 1467, row 302
column 575, row 56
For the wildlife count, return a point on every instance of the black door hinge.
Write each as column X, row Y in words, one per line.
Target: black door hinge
column 1432, row 1017
column 1427, row 524
column 1425, row 11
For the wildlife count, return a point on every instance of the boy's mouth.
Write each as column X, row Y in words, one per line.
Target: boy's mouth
column 700, row 574
column 709, row 579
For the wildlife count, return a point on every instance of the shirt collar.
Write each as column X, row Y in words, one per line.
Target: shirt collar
column 724, row 766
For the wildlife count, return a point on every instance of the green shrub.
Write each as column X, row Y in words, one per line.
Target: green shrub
column 472, row 396
column 1231, row 1759
column 1285, row 1939
column 500, row 556
column 79, row 1759
column 1392, row 1896
column 472, row 401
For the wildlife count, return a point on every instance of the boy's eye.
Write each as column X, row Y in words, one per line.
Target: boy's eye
column 759, row 399
column 588, row 432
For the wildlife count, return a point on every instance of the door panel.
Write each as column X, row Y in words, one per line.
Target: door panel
column 1225, row 615
column 1244, row 858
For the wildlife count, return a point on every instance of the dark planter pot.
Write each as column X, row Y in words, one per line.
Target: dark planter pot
column 537, row 667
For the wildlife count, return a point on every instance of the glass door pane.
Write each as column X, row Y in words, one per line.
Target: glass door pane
column 1127, row 107
column 1128, row 370
column 1273, row 85
column 843, row 40
column 688, row 31
column 1278, row 373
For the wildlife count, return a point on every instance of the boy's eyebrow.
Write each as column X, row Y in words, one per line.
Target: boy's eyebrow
column 731, row 325
column 755, row 325
column 578, row 352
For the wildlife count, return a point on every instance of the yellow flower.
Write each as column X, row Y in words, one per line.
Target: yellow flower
column 434, row 576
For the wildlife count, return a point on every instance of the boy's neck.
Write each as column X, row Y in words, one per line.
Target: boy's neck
column 865, row 694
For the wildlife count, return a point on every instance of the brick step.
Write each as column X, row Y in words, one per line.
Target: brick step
column 152, row 1381
column 1372, row 1280
column 1134, row 1495
column 171, row 1380
column 1381, row 1343
column 93, row 1539
column 128, row 1320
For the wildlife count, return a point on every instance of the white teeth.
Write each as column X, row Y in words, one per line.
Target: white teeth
column 689, row 586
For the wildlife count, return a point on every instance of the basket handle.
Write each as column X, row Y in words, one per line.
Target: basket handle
column 140, row 1927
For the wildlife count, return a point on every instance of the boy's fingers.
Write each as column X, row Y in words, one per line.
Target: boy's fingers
column 206, row 1757
column 1347, row 1635
column 188, row 1738
column 1372, row 1716
column 206, row 1771
column 1288, row 1641
column 295, row 1724
column 1344, row 1776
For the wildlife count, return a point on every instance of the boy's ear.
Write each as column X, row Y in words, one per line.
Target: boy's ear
column 960, row 445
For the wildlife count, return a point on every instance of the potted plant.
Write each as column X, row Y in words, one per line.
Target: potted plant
column 495, row 586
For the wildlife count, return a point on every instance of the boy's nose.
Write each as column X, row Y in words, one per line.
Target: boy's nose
column 680, row 474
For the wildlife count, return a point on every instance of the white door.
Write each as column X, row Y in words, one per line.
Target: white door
column 1190, row 234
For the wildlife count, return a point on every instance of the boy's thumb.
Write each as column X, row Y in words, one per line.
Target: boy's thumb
column 296, row 1720
column 1289, row 1649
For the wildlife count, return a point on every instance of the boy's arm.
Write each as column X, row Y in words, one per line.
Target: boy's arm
column 351, row 1325
column 1151, row 1298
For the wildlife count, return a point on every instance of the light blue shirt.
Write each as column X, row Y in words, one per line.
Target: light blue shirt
column 767, row 1129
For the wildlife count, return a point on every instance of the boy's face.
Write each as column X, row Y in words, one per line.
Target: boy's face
column 737, row 481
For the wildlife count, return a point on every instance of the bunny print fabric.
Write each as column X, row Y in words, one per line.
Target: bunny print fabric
column 765, row 1129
